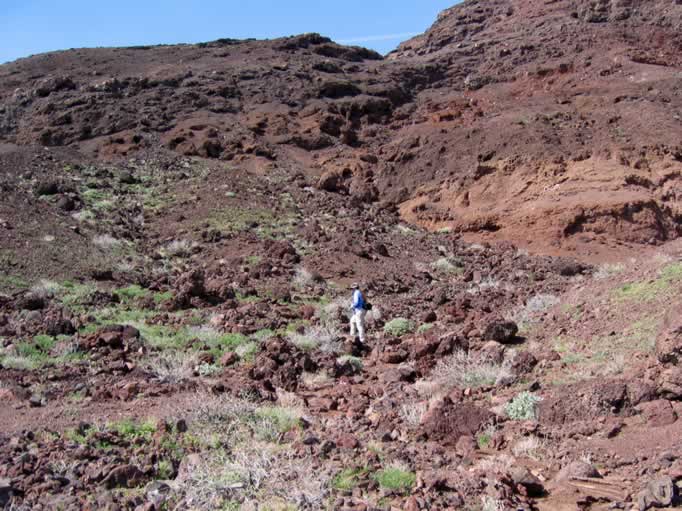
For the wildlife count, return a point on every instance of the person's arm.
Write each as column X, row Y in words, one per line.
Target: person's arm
column 356, row 299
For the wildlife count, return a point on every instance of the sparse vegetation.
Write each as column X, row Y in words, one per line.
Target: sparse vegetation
column 177, row 248
column 650, row 290
column 46, row 289
column 349, row 478
column 282, row 419
column 523, row 407
column 133, row 430
column 484, row 438
column 323, row 337
column 412, row 413
column 127, row 294
column 36, row 353
column 491, row 504
column 106, row 241
column 531, row 447
column 447, row 266
column 303, row 278
column 464, row 370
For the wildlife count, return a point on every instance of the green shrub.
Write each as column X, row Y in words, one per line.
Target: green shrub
column 349, row 478
column 424, row 328
column 31, row 354
column 523, row 407
column 162, row 337
column 398, row 327
column 129, row 293
column 208, row 370
column 164, row 470
column 394, row 478
column 483, row 440
column 163, row 297
column 131, row 430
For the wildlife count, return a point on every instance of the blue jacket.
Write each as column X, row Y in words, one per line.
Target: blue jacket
column 358, row 300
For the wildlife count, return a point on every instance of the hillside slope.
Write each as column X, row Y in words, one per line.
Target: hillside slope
column 555, row 125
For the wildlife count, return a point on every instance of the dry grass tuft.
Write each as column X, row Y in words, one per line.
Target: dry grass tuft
column 462, row 369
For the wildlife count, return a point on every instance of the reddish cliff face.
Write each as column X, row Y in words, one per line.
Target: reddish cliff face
column 564, row 118
column 556, row 125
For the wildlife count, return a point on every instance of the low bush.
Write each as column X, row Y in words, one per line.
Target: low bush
column 523, row 407
column 398, row 327
column 396, row 478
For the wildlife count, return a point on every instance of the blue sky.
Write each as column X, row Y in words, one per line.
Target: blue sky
column 35, row 26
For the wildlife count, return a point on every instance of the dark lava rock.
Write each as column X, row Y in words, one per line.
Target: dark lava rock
column 501, row 331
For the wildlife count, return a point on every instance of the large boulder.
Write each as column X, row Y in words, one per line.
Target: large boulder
column 335, row 180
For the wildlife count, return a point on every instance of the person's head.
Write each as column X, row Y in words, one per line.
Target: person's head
column 355, row 286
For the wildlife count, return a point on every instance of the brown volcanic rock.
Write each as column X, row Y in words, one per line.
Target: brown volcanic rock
column 585, row 401
column 669, row 339
column 447, row 422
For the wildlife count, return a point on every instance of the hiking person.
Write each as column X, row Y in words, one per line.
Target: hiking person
column 357, row 320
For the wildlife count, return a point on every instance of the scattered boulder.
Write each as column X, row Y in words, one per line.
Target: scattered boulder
column 126, row 177
column 402, row 373
column 669, row 340
column 446, row 421
column 531, row 485
column 658, row 493
column 577, row 469
column 585, row 400
column 466, row 446
column 124, row 476
column 523, row 362
column 492, row 352
column 501, row 331
column 6, row 492
column 47, row 187
column 229, row 359
column 658, row 413
column 669, row 384
column 568, row 268
column 66, row 203
column 32, row 302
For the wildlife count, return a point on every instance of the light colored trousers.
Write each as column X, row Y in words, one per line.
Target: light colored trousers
column 357, row 322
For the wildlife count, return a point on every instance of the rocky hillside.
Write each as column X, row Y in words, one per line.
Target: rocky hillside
column 555, row 125
column 179, row 227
